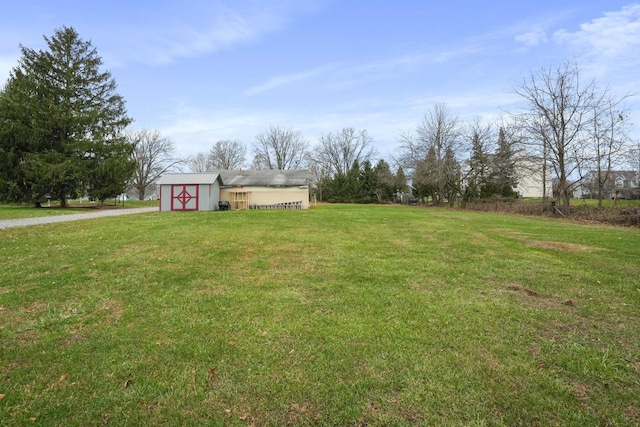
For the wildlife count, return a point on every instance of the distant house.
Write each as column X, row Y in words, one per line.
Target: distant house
column 618, row 184
column 531, row 179
column 238, row 189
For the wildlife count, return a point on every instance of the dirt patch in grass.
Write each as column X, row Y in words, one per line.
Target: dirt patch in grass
column 18, row 318
column 561, row 246
column 216, row 290
column 533, row 297
column 488, row 359
column 510, row 233
column 74, row 338
column 581, row 392
column 301, row 413
column 479, row 236
column 112, row 309
column 517, row 288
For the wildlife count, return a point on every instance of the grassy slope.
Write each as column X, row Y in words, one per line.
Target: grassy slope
column 337, row 315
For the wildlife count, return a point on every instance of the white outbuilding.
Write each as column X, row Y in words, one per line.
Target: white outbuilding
column 189, row 191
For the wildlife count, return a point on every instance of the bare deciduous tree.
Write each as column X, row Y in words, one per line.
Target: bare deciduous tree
column 557, row 119
column 227, row 154
column 280, row 148
column 430, row 156
column 200, row 163
column 339, row 150
column 609, row 138
column 154, row 155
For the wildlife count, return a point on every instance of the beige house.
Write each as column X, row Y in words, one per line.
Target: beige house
column 235, row 189
column 265, row 189
column 533, row 180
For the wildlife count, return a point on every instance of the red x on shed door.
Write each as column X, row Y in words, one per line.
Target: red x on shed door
column 184, row 197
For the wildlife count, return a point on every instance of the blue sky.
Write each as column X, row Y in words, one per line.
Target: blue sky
column 200, row 71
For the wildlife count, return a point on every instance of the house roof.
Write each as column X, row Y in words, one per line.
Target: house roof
column 188, row 178
column 240, row 178
column 267, row 178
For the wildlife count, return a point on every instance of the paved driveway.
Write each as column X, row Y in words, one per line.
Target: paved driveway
column 23, row 222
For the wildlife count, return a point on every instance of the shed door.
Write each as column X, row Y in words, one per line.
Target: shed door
column 184, row 197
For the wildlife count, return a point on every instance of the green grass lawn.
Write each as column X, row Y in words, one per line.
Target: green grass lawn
column 339, row 315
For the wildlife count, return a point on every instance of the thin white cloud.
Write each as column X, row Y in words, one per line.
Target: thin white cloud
column 614, row 34
column 217, row 28
column 289, row 79
column 534, row 37
column 341, row 76
column 534, row 32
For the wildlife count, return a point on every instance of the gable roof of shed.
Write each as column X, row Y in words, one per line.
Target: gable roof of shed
column 267, row 178
column 188, row 178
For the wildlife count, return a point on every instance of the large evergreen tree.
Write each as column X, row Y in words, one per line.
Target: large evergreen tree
column 61, row 125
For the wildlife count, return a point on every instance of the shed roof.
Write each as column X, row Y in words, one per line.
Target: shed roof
column 267, row 178
column 188, row 178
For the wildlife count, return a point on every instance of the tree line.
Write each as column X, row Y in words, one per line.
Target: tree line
column 63, row 134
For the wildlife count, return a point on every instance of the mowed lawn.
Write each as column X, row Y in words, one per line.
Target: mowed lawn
column 339, row 315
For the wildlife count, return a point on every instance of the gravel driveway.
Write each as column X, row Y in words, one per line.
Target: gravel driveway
column 23, row 222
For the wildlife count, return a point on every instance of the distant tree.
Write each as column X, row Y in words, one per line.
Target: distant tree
column 609, row 141
column 477, row 172
column 61, row 122
column 451, row 176
column 431, row 155
column 557, row 120
column 504, row 174
column 368, row 183
column 154, row 155
column 424, row 177
column 200, row 163
column 227, row 154
column 318, row 176
column 337, row 151
column 386, row 181
column 400, row 181
column 280, row 148
column 335, row 188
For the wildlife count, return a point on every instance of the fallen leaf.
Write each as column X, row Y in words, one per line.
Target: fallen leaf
column 127, row 383
column 212, row 372
column 2, row 396
column 293, row 350
column 62, row 378
column 243, row 417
